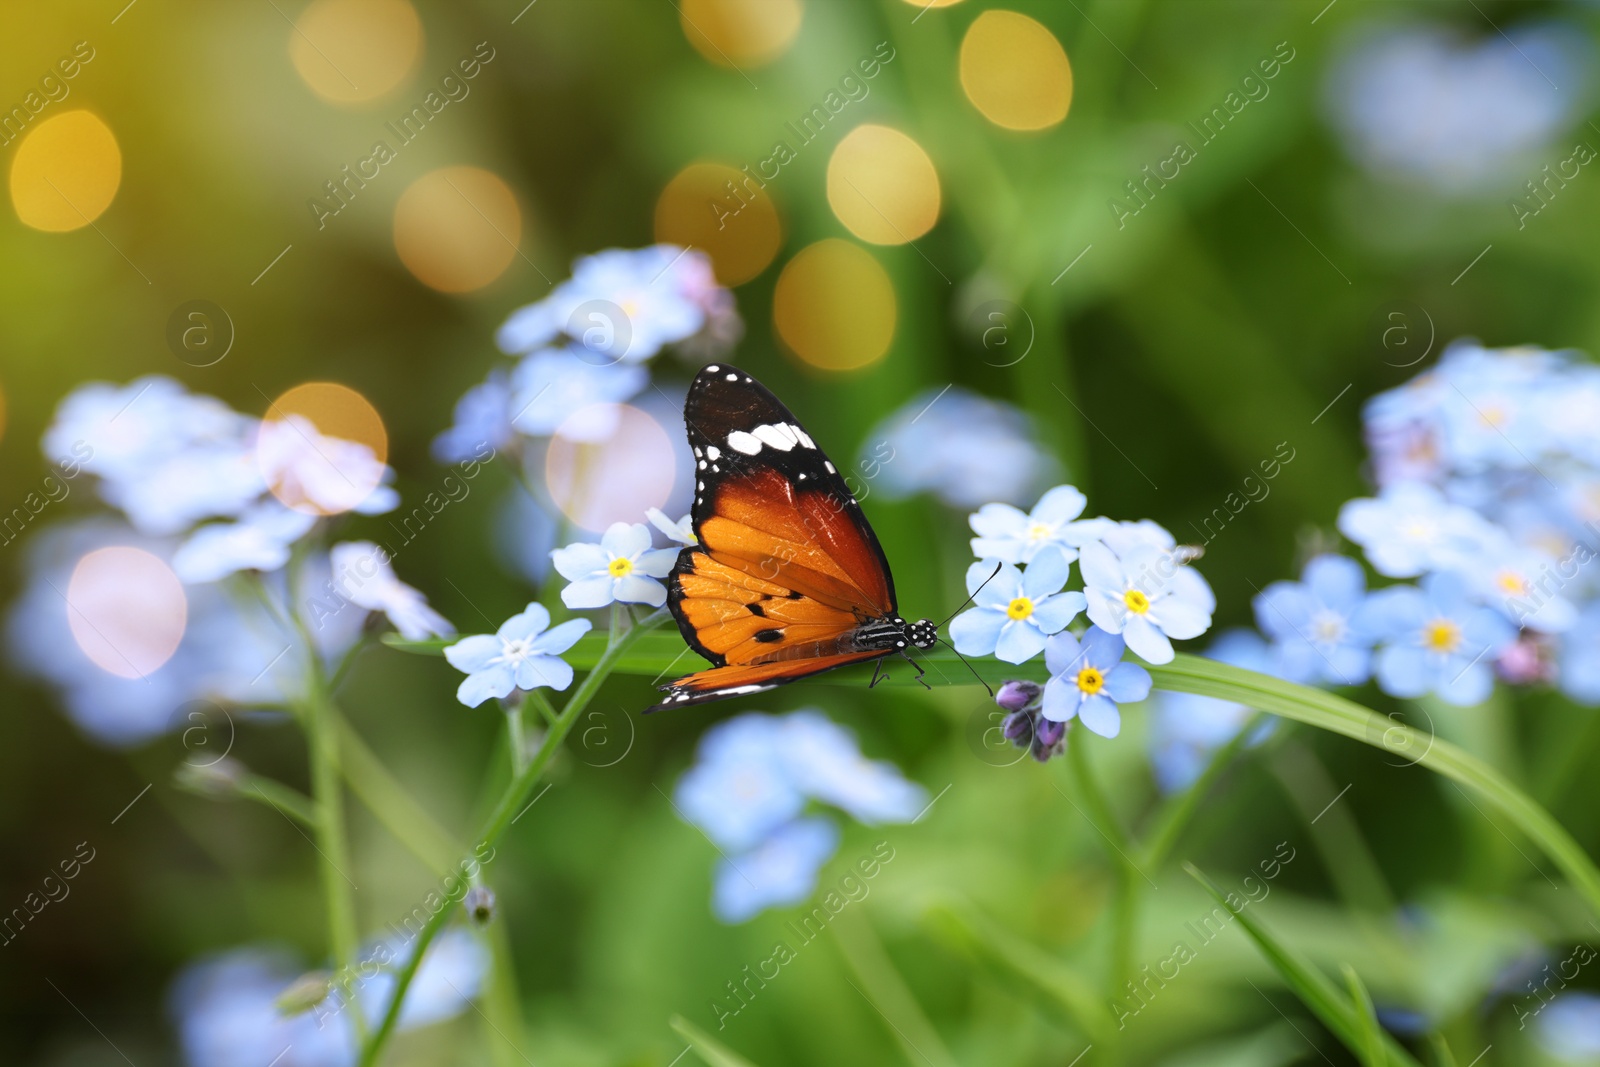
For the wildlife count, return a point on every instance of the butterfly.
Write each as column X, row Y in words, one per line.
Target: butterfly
column 787, row 579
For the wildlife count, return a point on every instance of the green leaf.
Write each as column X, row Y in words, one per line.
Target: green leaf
column 1442, row 1056
column 1043, row 975
column 705, row 1046
column 662, row 654
column 1371, row 1050
column 1314, row 988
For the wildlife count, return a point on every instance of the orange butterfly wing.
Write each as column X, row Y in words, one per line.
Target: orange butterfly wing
column 786, row 568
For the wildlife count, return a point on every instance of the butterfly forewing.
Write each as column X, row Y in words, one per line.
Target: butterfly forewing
column 786, row 565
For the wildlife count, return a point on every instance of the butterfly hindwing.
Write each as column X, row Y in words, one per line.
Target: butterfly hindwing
column 787, row 567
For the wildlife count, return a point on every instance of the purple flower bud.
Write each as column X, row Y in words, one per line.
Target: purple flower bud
column 1047, row 735
column 1018, row 728
column 1014, row 696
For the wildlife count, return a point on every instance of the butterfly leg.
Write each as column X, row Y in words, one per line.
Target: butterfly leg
column 920, row 671
column 877, row 668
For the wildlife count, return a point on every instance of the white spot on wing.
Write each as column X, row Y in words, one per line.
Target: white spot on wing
column 830, row 467
column 733, row 377
column 713, row 452
column 747, row 443
column 780, row 436
column 805, row 438
column 713, row 368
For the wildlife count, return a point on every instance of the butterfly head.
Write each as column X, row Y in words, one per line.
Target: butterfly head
column 923, row 633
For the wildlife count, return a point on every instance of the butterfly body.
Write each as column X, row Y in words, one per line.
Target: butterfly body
column 788, row 579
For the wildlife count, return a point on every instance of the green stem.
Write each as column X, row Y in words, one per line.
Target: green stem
column 332, row 845
column 388, row 799
column 1125, row 903
column 547, row 711
column 505, row 811
column 517, row 734
column 1174, row 817
column 275, row 794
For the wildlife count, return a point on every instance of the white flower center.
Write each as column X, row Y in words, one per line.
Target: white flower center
column 513, row 652
column 1327, row 627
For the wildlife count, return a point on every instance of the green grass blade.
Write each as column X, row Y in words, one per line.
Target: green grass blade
column 1442, row 1056
column 1315, row 989
column 1371, row 1050
column 707, row 1047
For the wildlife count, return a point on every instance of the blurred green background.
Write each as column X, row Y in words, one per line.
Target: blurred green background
column 1244, row 306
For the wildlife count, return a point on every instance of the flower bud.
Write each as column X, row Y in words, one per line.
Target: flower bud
column 479, row 903
column 218, row 778
column 303, row 994
column 1047, row 735
column 1015, row 696
column 1018, row 728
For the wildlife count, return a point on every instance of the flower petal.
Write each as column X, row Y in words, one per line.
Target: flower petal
column 975, row 631
column 580, row 560
column 496, row 681
column 473, row 653
column 1018, row 642
column 1404, row 671
column 1061, row 700
column 626, row 539
column 1106, row 610
column 1100, row 568
column 635, row 589
column 1100, row 714
column 1127, row 683
column 1102, row 650
column 530, row 621
column 657, row 562
column 1047, row 574
column 589, row 593
column 1053, row 613
column 998, row 521
column 1062, row 653
column 1147, row 641
column 548, row 671
column 1061, row 504
column 558, row 639
column 1179, row 618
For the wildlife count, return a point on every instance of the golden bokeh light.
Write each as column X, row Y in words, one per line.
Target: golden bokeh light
column 457, row 228
column 127, row 610
column 598, row 479
column 882, row 185
column 323, row 448
column 355, row 51
column 723, row 213
column 834, row 306
column 1015, row 71
column 740, row 33
column 66, row 172
column 925, row 4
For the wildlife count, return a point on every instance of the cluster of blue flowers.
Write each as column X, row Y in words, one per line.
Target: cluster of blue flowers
column 748, row 792
column 580, row 353
column 1488, row 474
column 1138, row 593
column 212, row 501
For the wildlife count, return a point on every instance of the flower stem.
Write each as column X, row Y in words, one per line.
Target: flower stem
column 517, row 734
column 1175, row 816
column 505, row 811
column 1126, row 902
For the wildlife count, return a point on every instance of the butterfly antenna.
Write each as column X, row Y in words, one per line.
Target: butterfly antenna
column 969, row 666
column 967, row 601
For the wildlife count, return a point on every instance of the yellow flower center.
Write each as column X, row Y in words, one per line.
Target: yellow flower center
column 1038, row 531
column 1020, row 608
column 1091, row 681
column 1441, row 635
column 621, row 567
column 1512, row 583
column 1137, row 602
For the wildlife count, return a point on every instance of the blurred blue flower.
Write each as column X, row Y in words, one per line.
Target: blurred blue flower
column 681, row 531
column 258, row 541
column 1013, row 611
column 1524, row 584
column 1437, row 639
column 621, row 568
column 522, row 654
column 523, row 533
column 227, row 1013
column 780, row 871
column 1010, row 534
column 1316, row 624
column 324, row 475
column 823, row 761
column 739, row 789
column 482, row 417
column 1147, row 595
column 1568, row 1027
column 1578, row 670
column 130, row 429
column 964, row 448
column 1088, row 680
column 1410, row 529
column 558, row 389
column 364, row 576
column 749, row 784
column 620, row 304
column 1186, row 728
column 1421, row 104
